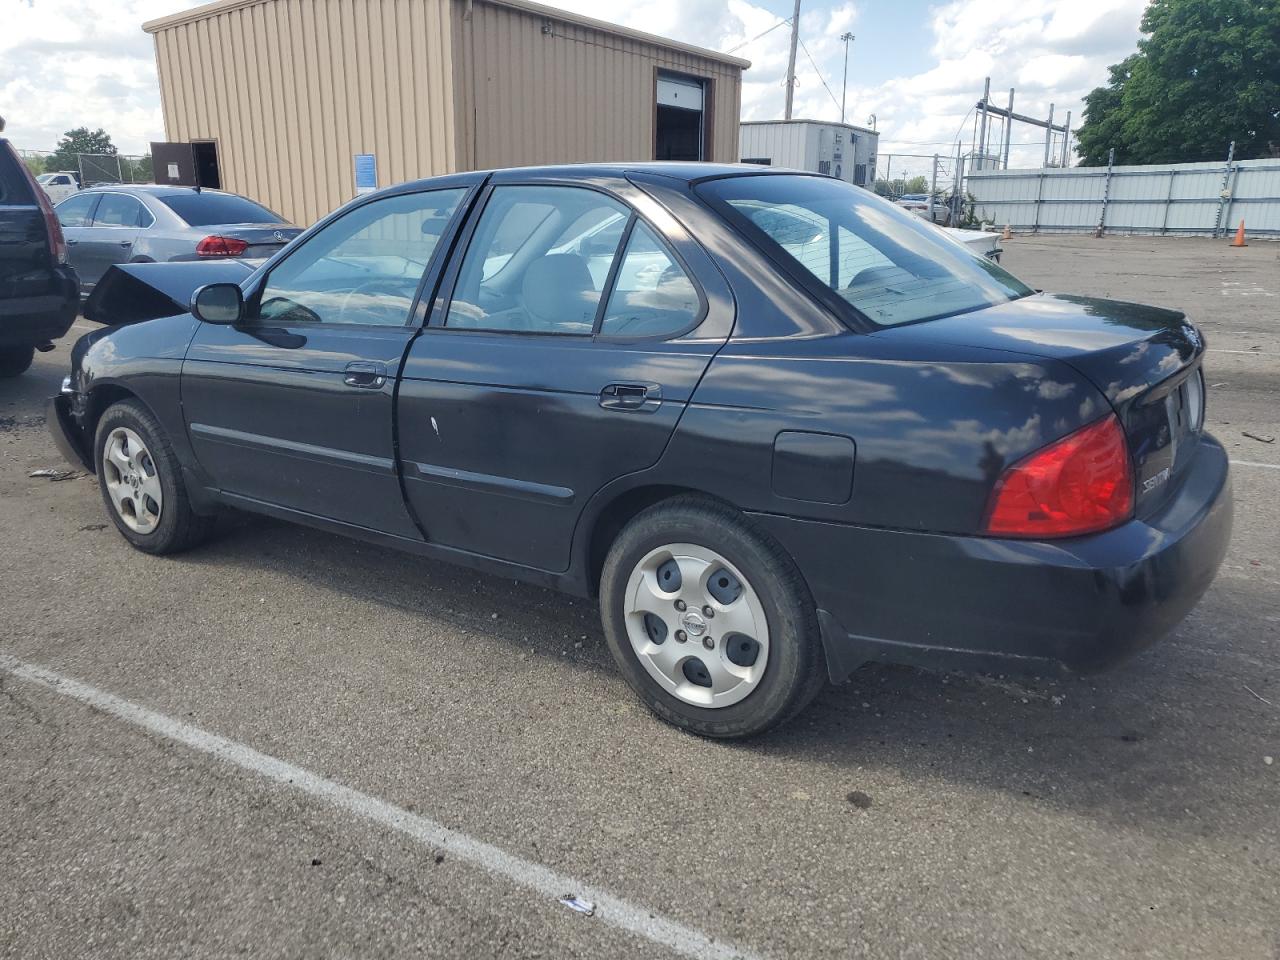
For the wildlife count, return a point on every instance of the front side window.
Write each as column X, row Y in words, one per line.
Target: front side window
column 890, row 266
column 74, row 211
column 363, row 267
column 539, row 261
column 652, row 295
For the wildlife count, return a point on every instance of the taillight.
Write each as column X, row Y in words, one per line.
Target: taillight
column 1079, row 484
column 221, row 247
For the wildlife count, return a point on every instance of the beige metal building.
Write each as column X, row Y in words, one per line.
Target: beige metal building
column 276, row 99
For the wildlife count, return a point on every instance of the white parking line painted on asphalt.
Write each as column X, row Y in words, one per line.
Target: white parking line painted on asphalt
column 541, row 880
column 1255, row 463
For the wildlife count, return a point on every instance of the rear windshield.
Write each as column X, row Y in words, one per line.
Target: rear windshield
column 889, row 265
column 203, row 209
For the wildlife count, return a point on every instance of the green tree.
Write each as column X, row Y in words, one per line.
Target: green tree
column 35, row 163
column 916, row 185
column 1206, row 72
column 78, row 141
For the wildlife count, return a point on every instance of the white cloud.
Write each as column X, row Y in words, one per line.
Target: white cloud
column 66, row 63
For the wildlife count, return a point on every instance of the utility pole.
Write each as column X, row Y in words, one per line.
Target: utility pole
column 791, row 61
column 1008, row 125
column 1066, row 137
column 847, row 38
column 982, row 135
column 1048, row 135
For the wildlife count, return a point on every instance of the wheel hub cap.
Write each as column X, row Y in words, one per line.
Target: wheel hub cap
column 131, row 481
column 696, row 625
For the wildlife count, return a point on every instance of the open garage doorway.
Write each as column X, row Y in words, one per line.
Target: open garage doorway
column 681, row 121
column 208, row 174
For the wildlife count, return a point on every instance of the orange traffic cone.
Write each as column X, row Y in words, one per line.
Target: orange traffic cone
column 1008, row 233
column 1239, row 240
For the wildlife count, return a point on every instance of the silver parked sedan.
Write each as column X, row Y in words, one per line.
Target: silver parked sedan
column 146, row 224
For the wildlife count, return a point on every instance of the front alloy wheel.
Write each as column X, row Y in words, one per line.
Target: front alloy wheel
column 130, row 477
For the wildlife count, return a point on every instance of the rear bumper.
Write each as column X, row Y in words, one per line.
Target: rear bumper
column 66, row 435
column 1068, row 606
column 31, row 320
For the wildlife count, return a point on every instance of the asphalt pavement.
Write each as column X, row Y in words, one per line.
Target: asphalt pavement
column 287, row 744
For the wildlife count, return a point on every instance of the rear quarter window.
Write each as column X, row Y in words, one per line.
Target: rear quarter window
column 13, row 181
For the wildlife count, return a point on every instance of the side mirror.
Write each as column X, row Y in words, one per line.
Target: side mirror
column 218, row 303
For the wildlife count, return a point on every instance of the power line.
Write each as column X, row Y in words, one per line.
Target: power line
column 819, row 73
column 780, row 23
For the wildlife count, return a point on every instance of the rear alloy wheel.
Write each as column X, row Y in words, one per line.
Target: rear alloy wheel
column 14, row 361
column 709, row 620
column 142, row 483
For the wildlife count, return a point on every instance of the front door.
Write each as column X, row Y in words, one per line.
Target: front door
column 293, row 407
column 563, row 349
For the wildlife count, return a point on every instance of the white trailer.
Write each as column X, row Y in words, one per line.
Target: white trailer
column 839, row 150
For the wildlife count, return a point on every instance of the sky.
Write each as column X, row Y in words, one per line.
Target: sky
column 917, row 66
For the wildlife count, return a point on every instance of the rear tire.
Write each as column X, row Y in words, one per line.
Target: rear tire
column 710, row 621
column 142, row 484
column 14, row 361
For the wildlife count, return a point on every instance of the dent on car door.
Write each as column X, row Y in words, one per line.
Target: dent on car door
column 293, row 407
column 559, row 358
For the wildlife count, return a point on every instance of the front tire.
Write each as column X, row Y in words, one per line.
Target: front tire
column 142, row 484
column 14, row 361
column 709, row 620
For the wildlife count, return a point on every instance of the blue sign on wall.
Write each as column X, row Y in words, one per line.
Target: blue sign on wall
column 366, row 173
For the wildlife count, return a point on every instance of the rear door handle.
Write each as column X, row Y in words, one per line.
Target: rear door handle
column 365, row 374
column 645, row 397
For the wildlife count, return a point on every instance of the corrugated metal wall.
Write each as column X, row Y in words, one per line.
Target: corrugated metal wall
column 1184, row 198
column 291, row 90
column 572, row 93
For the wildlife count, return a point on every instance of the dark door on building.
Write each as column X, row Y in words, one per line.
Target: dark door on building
column 208, row 173
column 681, row 119
column 293, row 406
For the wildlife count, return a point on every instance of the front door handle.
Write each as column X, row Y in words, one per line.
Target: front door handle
column 643, row 397
column 369, row 376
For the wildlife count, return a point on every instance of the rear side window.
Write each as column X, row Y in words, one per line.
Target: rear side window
column 13, row 182
column 539, row 261
column 652, row 295
column 75, row 211
column 206, row 209
column 118, row 210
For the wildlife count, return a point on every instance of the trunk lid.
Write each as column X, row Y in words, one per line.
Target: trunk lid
column 1145, row 360
column 135, row 292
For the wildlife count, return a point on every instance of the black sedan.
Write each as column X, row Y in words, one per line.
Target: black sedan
column 778, row 426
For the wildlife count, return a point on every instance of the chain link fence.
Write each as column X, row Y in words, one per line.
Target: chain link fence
column 92, row 168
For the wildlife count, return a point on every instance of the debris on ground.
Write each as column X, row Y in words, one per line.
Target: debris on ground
column 1268, row 760
column 1261, row 439
column 1258, row 695
column 53, row 476
column 92, row 526
column 859, row 799
column 577, row 903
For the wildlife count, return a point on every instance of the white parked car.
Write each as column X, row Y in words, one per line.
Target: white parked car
column 982, row 242
column 60, row 184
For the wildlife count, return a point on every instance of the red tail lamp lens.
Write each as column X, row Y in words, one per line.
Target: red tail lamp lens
column 221, row 247
column 1079, row 484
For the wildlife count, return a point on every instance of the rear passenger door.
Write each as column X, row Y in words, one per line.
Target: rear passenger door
column 568, row 336
column 75, row 215
column 117, row 221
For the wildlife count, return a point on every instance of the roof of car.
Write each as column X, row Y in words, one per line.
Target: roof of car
column 152, row 189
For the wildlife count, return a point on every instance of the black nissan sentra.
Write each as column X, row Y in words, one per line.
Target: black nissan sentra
column 778, row 426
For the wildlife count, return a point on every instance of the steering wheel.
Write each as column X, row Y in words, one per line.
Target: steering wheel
column 395, row 285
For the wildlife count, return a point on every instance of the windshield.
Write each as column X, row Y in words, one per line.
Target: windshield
column 203, row 209
column 889, row 265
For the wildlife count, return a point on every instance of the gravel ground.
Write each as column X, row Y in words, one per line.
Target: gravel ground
column 907, row 814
